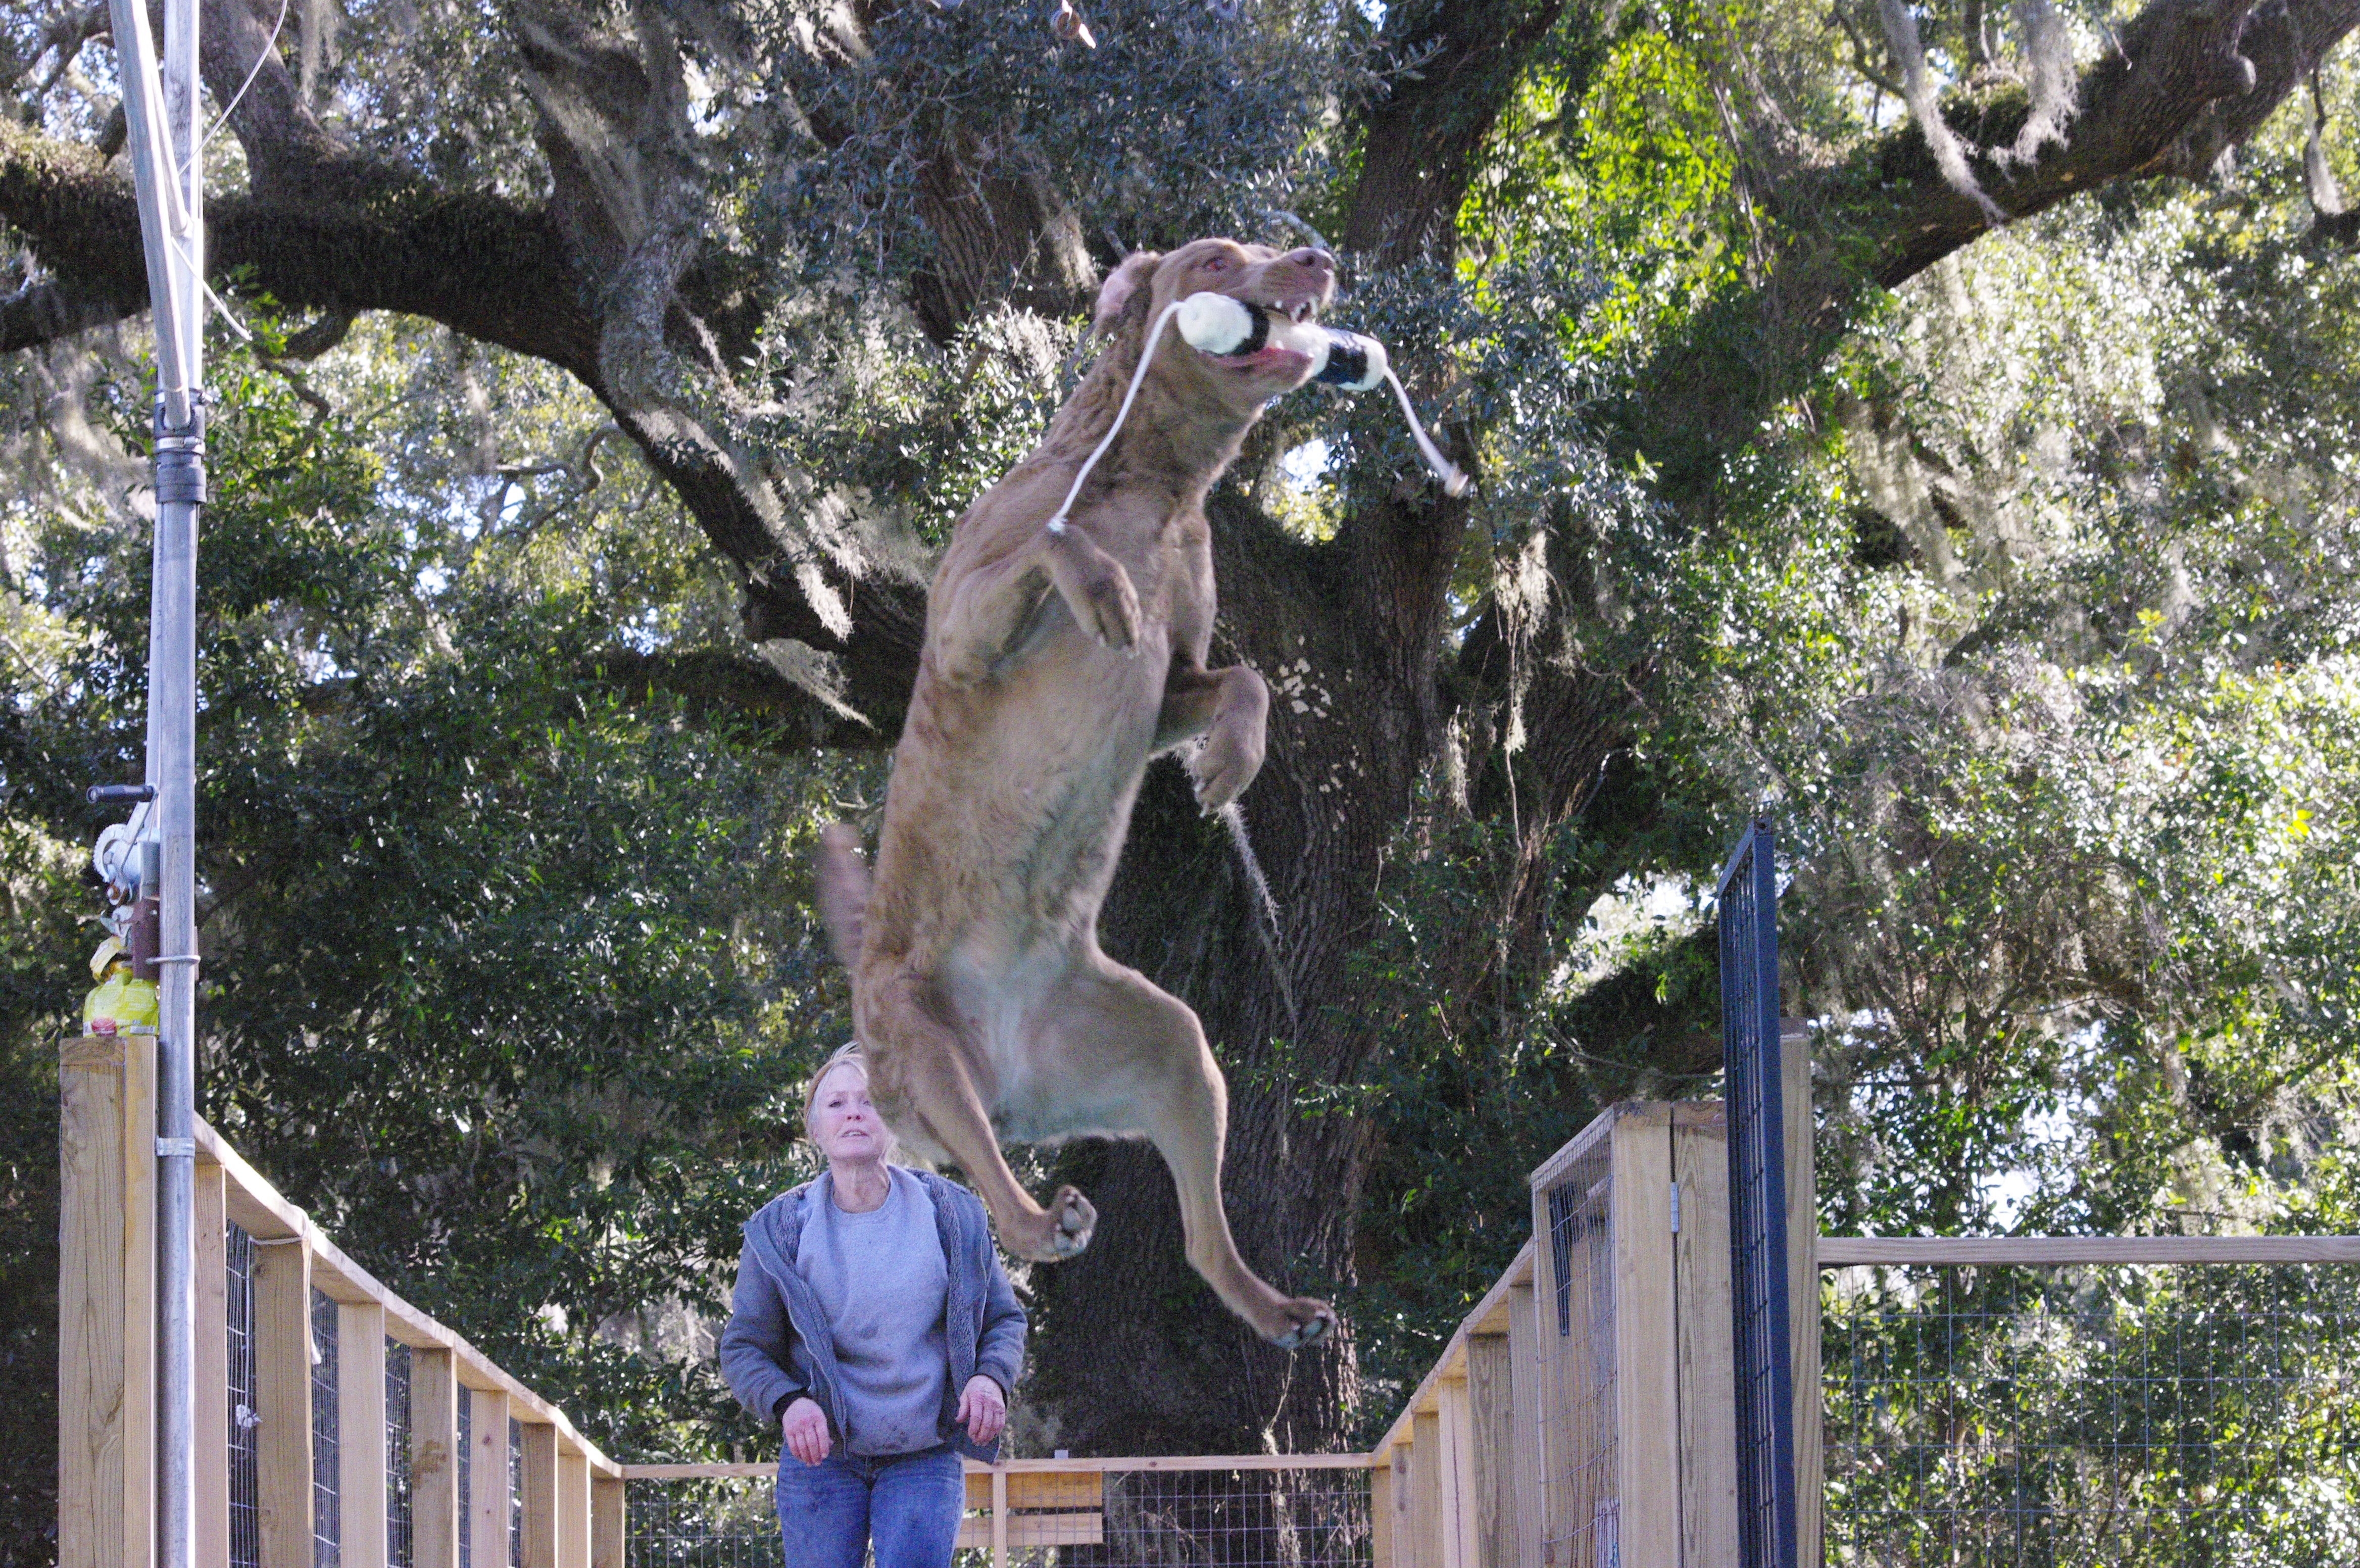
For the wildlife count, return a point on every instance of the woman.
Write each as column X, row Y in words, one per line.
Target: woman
column 873, row 1323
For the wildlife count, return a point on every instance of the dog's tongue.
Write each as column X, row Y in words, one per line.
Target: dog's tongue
column 1268, row 354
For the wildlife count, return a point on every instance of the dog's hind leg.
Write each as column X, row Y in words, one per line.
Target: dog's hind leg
column 919, row 1068
column 1115, row 1020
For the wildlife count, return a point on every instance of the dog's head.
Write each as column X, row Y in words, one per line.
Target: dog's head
column 1294, row 283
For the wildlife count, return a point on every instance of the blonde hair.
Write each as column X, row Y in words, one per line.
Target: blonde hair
column 845, row 1054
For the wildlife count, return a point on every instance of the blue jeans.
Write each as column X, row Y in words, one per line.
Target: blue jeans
column 906, row 1508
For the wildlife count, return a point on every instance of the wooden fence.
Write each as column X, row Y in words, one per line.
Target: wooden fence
column 1580, row 1415
column 555, row 1502
column 1583, row 1413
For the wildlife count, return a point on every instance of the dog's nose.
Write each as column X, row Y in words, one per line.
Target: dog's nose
column 1312, row 256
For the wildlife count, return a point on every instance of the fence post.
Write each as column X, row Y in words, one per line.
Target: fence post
column 1458, row 1533
column 210, row 1366
column 1647, row 1382
column 360, row 1433
column 1707, row 1340
column 572, row 1506
column 1803, row 1282
column 1425, row 1490
column 1381, row 1510
column 489, row 1499
column 106, row 1303
column 609, row 1522
column 999, row 1517
column 282, row 1379
column 1491, row 1419
column 540, row 1540
column 1405, row 1527
column 1527, row 1437
column 435, row 1459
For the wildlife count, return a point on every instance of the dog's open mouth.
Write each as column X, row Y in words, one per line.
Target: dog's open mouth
column 1263, row 352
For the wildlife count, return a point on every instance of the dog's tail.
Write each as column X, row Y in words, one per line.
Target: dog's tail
column 843, row 889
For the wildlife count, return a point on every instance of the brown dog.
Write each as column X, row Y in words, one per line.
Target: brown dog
column 1057, row 661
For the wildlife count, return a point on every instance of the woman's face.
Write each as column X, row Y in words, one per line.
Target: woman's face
column 843, row 1120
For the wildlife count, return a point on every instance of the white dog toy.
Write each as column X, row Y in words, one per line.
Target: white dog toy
column 1225, row 326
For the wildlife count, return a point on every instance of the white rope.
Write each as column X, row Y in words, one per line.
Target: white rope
column 1056, row 524
column 1454, row 482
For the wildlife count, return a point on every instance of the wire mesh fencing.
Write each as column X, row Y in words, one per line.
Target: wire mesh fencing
column 1114, row 1518
column 1580, row 1502
column 2200, row 1416
column 245, row 1416
column 327, row 1510
column 396, row 1455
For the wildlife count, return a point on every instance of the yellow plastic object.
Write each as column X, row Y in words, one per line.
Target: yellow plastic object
column 117, row 1004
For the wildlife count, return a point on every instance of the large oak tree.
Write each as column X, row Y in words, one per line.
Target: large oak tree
column 630, row 191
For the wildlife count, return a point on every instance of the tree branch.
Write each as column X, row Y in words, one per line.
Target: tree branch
column 1418, row 153
column 2189, row 79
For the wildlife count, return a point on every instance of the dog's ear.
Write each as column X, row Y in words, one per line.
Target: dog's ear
column 1122, row 283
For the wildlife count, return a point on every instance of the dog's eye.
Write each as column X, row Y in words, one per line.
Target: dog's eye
column 1216, row 264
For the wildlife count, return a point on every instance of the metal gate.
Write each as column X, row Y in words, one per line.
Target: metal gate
column 1748, row 914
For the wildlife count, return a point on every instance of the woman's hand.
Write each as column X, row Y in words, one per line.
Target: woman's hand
column 805, row 1425
column 982, row 1408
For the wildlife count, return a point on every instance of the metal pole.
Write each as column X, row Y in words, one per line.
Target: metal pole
column 161, row 115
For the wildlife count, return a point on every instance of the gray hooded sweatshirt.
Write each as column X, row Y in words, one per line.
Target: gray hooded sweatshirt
column 778, row 1347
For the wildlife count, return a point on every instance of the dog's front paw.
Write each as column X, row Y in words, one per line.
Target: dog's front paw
column 1109, row 606
column 1094, row 587
column 1302, row 1323
column 1225, row 766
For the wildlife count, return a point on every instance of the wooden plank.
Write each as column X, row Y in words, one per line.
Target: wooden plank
column 360, row 1434
column 211, row 1370
column 1524, row 1351
column 539, row 1467
column 1426, row 1467
column 572, row 1506
column 487, row 1482
column 609, row 1520
column 1039, row 1489
column 1646, row 1371
column 435, row 1459
column 1458, row 1505
column 106, row 1303
column 1491, row 1426
column 1801, row 1124
column 1031, row 1532
column 1381, row 1516
column 999, row 1518
column 1707, row 1349
column 2049, row 1252
column 282, row 1385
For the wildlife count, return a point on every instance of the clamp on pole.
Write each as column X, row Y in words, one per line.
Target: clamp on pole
column 181, row 455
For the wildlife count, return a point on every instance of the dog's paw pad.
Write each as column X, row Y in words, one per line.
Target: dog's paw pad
column 1074, row 1221
column 1312, row 1324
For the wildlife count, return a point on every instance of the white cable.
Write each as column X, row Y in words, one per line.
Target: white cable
column 1454, row 482
column 226, row 314
column 239, row 96
column 1056, row 524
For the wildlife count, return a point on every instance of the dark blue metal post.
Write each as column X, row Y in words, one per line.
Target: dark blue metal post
column 1748, row 917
